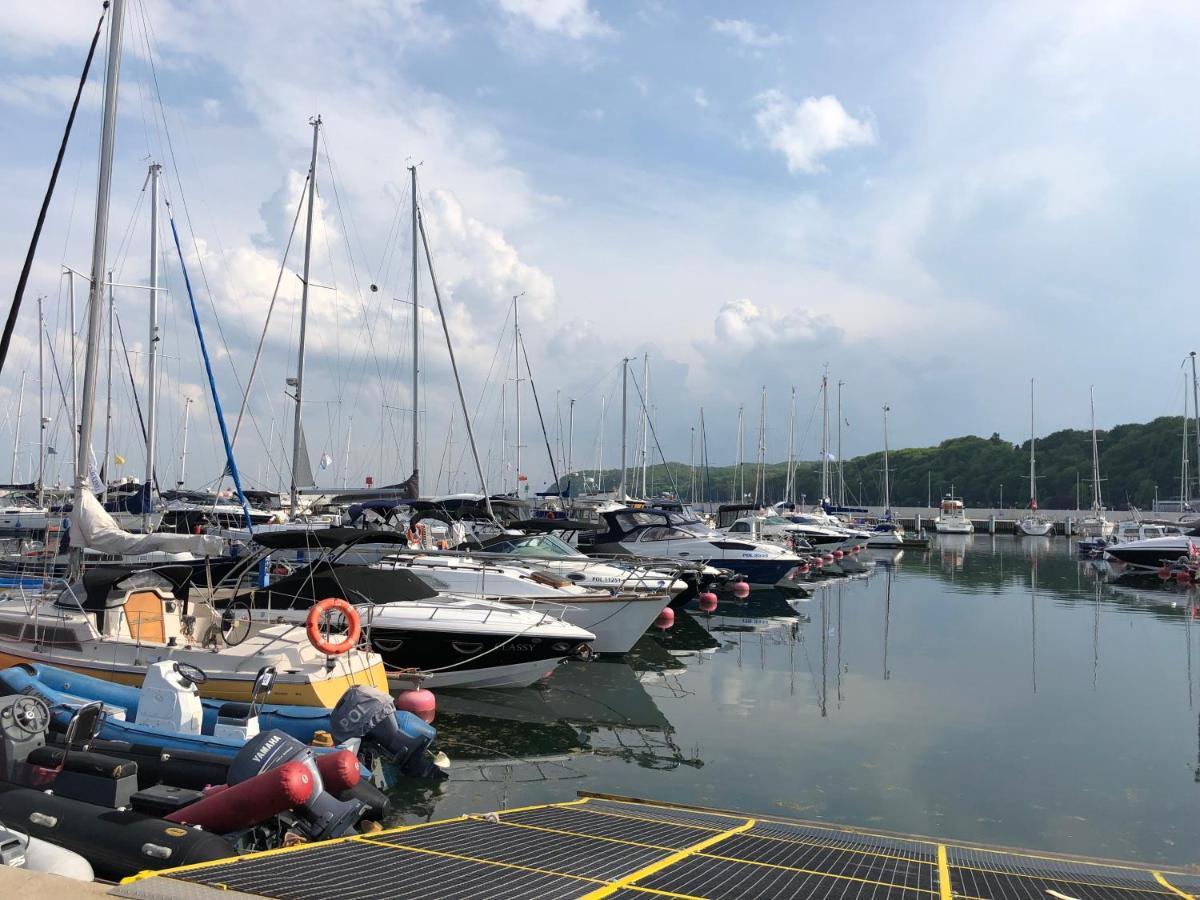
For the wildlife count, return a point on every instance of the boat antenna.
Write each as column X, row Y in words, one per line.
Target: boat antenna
column 538, row 406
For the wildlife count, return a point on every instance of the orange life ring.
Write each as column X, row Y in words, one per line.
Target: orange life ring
column 313, row 626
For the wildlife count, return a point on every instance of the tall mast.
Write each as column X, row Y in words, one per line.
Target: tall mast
column 645, row 418
column 841, row 471
column 738, row 488
column 517, row 387
column 887, row 485
column 187, row 411
column 152, row 356
column 1097, row 503
column 108, row 134
column 600, row 444
column 74, row 351
column 1032, row 454
column 298, row 428
column 416, row 348
column 1183, row 456
column 789, row 487
column 105, row 469
column 624, row 417
column 703, row 458
column 1196, row 411
column 825, row 492
column 570, row 441
column 760, row 473
column 17, row 428
column 41, row 496
column 692, row 467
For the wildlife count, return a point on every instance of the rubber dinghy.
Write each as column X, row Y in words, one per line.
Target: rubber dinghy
column 398, row 740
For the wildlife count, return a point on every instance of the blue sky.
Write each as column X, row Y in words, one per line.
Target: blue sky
column 937, row 200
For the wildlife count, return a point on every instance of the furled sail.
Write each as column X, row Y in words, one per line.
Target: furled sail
column 92, row 527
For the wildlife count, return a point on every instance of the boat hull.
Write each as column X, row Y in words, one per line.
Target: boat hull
column 509, row 675
column 617, row 623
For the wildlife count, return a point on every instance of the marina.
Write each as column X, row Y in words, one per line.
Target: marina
column 406, row 623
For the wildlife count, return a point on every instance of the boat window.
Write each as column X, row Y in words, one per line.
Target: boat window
column 775, row 520
column 630, row 520
column 739, row 528
column 655, row 534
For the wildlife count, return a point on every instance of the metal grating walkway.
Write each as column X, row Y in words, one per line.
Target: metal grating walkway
column 630, row 850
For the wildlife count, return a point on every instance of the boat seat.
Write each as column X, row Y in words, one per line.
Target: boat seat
column 82, row 762
column 234, row 710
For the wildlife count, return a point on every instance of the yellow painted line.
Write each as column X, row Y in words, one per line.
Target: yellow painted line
column 261, row 854
column 689, row 809
column 944, row 874
column 516, row 809
column 590, row 837
column 617, row 815
column 658, row 893
column 1158, row 876
column 611, row 888
column 476, row 859
column 863, row 851
column 1065, row 879
column 819, row 872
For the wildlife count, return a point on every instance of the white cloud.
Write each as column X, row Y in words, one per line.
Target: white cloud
column 806, row 131
column 747, row 33
column 700, row 98
column 48, row 94
column 570, row 17
column 743, row 325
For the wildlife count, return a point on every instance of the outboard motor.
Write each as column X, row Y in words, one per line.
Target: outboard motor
column 319, row 817
column 401, row 737
column 170, row 699
column 240, row 720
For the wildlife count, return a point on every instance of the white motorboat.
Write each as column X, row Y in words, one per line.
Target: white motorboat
column 1096, row 524
column 953, row 517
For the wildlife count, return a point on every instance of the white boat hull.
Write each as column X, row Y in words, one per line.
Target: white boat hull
column 1035, row 528
column 617, row 623
column 514, row 675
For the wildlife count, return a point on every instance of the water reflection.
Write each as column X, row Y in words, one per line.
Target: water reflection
column 990, row 689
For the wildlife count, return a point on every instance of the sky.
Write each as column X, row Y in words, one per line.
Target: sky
column 937, row 201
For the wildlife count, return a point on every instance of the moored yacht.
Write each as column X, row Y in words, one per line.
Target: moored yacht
column 953, row 517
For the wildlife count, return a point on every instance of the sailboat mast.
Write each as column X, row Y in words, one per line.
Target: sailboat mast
column 789, row 481
column 91, row 367
column 105, row 469
column 1097, row 503
column 738, row 488
column 841, row 470
column 1032, row 454
column 17, row 428
column 298, row 425
column 570, row 441
column 624, row 417
column 760, row 474
column 41, row 495
column 645, row 418
column 1196, row 410
column 152, row 355
column 187, row 412
column 1183, row 455
column 825, row 437
column 416, row 347
column 887, row 485
column 517, row 387
column 692, row 467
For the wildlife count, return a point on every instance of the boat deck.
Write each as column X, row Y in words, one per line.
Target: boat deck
column 626, row 849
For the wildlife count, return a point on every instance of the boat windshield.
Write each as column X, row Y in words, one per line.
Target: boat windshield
column 533, row 545
column 775, row 520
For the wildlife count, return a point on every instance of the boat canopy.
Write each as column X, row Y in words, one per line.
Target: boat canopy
column 324, row 538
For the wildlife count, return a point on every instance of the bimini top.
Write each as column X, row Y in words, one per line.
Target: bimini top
column 103, row 585
column 324, row 538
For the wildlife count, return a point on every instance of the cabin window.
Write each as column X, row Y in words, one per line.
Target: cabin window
column 740, row 528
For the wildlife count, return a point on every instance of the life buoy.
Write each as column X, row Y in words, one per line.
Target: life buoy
column 313, row 626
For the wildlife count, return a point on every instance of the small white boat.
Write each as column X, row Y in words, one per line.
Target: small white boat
column 953, row 518
column 1034, row 524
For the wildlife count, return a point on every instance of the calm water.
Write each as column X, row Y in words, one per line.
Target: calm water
column 991, row 689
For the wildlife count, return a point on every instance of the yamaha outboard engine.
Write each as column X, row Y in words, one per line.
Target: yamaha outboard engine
column 402, row 738
column 322, row 815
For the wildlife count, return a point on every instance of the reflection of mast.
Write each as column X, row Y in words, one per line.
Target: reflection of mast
column 887, row 622
column 824, row 650
column 1033, row 616
column 841, row 592
column 1096, row 641
column 1187, row 633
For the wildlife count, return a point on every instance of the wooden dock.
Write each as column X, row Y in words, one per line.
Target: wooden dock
column 600, row 846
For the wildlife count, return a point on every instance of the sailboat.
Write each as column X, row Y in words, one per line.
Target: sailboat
column 1034, row 524
column 888, row 534
column 113, row 623
column 1096, row 525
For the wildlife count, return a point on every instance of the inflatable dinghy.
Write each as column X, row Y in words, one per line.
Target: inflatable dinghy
column 24, row 852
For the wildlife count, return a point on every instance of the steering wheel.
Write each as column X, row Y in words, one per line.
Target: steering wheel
column 26, row 717
column 235, row 623
column 194, row 674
